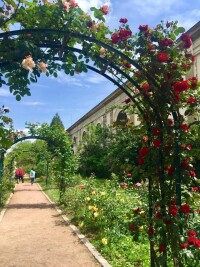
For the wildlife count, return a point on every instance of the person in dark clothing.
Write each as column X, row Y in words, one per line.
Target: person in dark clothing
column 21, row 174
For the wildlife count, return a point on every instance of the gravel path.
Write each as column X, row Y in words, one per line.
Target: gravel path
column 33, row 234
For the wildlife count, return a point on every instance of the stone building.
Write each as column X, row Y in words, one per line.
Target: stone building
column 104, row 115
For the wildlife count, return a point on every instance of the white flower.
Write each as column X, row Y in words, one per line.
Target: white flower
column 28, row 63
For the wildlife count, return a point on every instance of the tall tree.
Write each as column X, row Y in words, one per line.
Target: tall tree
column 57, row 122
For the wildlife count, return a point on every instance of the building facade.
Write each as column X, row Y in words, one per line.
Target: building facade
column 105, row 114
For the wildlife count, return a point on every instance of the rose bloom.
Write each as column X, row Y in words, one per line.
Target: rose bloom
column 131, row 227
column 191, row 100
column 191, row 233
column 181, row 86
column 140, row 161
column 145, row 86
column 28, row 63
column 82, row 187
column 161, row 248
column 127, row 100
column 171, row 122
column 192, row 240
column 185, row 208
column 42, row 66
column 173, row 210
column 184, row 245
column 195, row 188
column 143, row 151
column 185, row 127
column 115, row 38
column 73, row 3
column 156, row 131
column 165, row 42
column 186, row 39
column 156, row 143
column 162, row 57
column 105, row 9
column 170, row 170
column 145, row 138
column 143, row 28
column 123, row 20
column 151, row 230
column 102, row 51
column 124, row 34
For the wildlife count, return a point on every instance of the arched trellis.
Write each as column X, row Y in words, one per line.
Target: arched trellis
column 17, row 140
column 109, row 65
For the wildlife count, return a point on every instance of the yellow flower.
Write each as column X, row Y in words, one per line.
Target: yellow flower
column 141, row 227
column 81, row 224
column 102, row 193
column 104, row 241
column 96, row 214
column 93, row 193
column 95, row 208
column 88, row 198
column 90, row 207
column 122, row 200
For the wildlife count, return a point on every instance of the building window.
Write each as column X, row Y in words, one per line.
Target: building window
column 122, row 119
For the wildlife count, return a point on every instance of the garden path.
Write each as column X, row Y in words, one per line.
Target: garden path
column 33, row 234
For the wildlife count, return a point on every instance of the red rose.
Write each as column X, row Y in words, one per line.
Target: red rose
column 143, row 151
column 140, row 161
column 165, row 42
column 170, row 170
column 197, row 243
column 192, row 240
column 151, row 230
column 156, row 143
column 173, row 210
column 161, row 248
column 136, row 211
column 181, row 86
column 124, row 34
column 115, row 38
column 145, row 86
column 191, row 233
column 192, row 173
column 156, row 131
column 195, row 188
column 158, row 215
column 123, row 20
column 127, row 101
column 185, row 127
column 131, row 227
column 184, row 245
column 191, row 100
column 143, row 28
column 185, row 208
column 186, row 39
column 162, row 57
column 82, row 187
column 171, row 122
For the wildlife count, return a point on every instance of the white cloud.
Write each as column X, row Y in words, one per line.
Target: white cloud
column 32, row 103
column 5, row 92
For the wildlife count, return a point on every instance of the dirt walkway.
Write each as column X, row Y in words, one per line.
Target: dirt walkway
column 33, row 234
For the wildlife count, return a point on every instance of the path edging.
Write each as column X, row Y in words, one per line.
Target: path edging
column 5, row 207
column 82, row 238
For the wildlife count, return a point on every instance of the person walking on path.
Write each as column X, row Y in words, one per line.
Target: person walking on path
column 21, row 174
column 17, row 175
column 33, row 234
column 32, row 175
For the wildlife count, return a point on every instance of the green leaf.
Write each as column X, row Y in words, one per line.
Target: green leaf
column 18, row 97
column 55, row 74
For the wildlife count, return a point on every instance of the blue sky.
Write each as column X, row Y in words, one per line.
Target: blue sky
column 72, row 97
